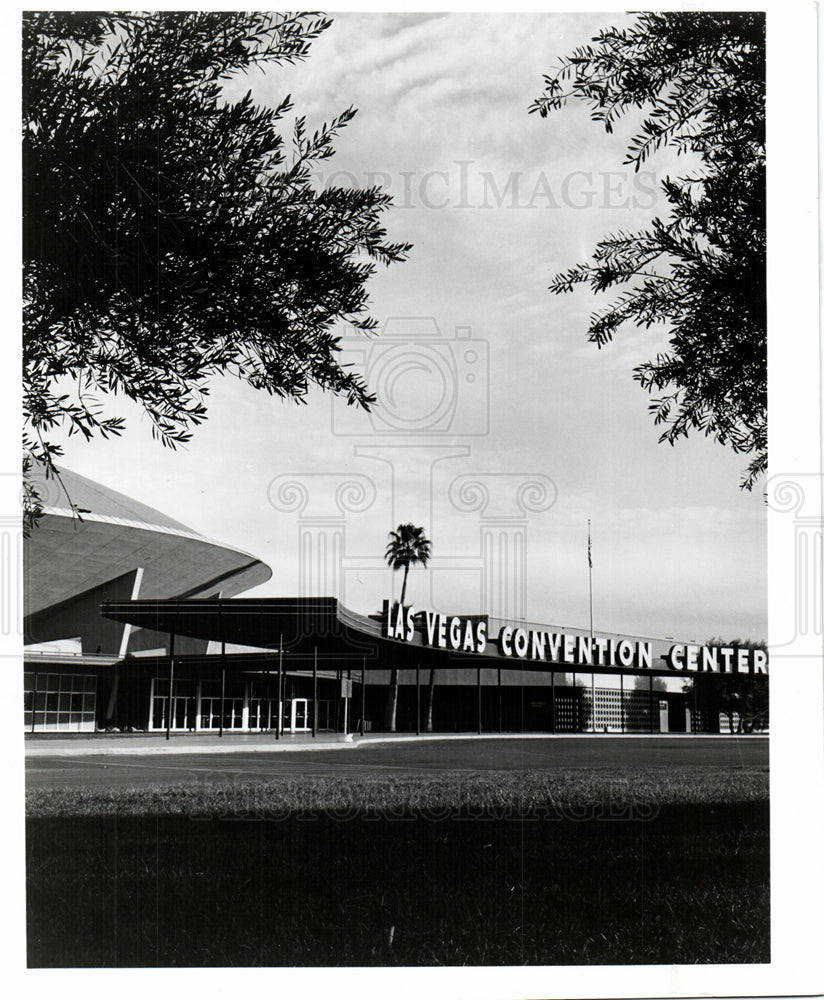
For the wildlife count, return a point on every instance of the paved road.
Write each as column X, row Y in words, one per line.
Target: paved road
column 403, row 758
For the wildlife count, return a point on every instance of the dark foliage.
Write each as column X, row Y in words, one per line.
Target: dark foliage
column 700, row 78
column 745, row 695
column 170, row 234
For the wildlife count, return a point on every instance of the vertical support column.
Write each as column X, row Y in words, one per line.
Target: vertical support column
column 338, row 696
column 623, row 719
column 111, row 706
column 34, row 702
column 150, row 724
column 315, row 693
column 552, row 689
column 265, row 700
column 244, row 712
column 279, row 726
column 418, row 696
column 363, row 698
column 346, row 701
column 594, row 727
column 195, row 724
column 171, row 701
column 479, row 701
column 651, row 727
column 694, row 716
column 500, row 703
column 222, row 685
column 576, row 727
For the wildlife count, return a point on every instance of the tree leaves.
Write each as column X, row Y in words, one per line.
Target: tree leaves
column 702, row 271
column 166, row 237
column 408, row 545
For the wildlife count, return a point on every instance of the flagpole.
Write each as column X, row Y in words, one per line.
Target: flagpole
column 589, row 560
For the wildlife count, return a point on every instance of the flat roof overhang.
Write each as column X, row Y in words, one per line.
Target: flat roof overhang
column 33, row 659
column 305, row 625
column 298, row 625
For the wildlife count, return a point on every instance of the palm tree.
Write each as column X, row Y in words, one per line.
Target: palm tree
column 407, row 547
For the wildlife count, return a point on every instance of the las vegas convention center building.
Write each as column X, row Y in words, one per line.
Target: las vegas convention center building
column 133, row 623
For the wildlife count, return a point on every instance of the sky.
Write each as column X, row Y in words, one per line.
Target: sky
column 500, row 429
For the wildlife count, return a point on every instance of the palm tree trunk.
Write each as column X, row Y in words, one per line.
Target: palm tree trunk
column 403, row 588
column 392, row 702
column 430, row 701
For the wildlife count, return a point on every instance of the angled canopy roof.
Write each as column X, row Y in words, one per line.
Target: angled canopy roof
column 303, row 625
column 298, row 625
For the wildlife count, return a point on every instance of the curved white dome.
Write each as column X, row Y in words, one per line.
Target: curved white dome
column 66, row 557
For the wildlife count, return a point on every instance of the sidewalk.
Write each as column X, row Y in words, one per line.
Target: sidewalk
column 87, row 744
column 108, row 744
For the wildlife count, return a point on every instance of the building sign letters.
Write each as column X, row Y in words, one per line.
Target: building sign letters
column 462, row 634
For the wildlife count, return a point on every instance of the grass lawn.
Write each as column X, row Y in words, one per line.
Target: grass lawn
column 568, row 867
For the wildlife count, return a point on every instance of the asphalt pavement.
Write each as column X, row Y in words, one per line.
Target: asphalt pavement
column 115, row 762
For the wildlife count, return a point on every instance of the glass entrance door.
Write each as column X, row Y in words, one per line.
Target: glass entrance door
column 300, row 715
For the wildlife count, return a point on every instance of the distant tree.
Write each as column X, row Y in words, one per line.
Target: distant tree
column 746, row 696
column 408, row 546
column 169, row 233
column 700, row 77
